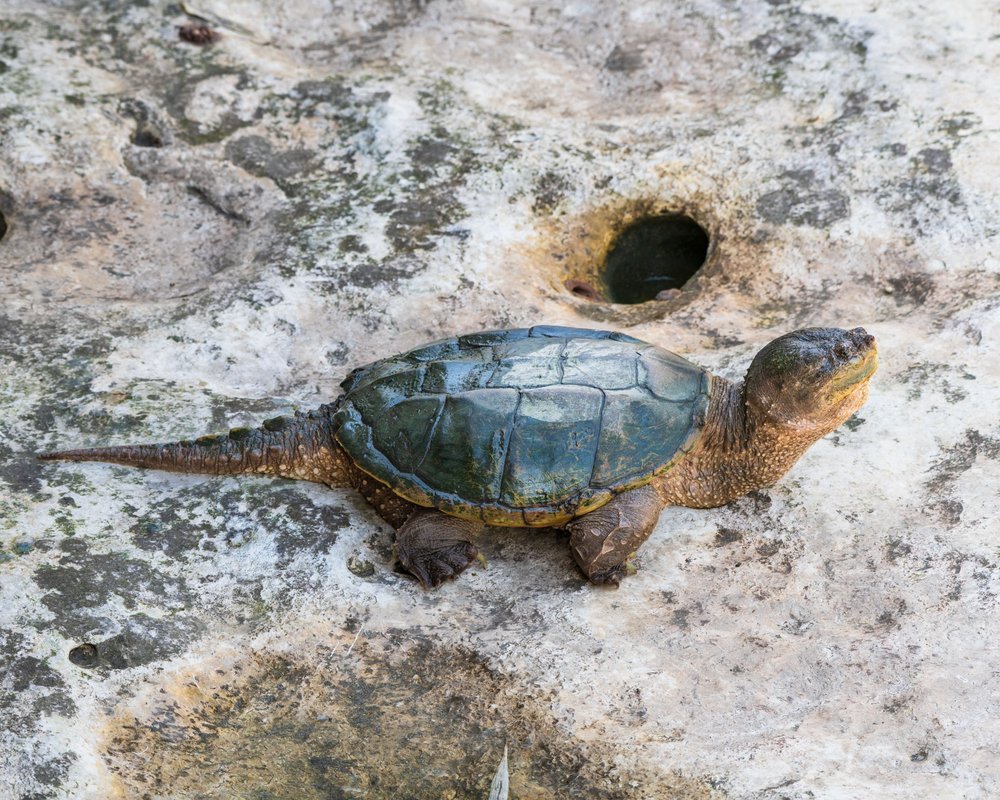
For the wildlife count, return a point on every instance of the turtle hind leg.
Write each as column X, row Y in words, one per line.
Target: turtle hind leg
column 603, row 540
column 434, row 547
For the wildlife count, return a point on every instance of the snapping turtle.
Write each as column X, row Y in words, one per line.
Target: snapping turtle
column 592, row 431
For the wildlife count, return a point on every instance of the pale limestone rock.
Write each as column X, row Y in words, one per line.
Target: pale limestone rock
column 201, row 237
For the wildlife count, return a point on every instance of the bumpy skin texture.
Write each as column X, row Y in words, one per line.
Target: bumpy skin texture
column 589, row 430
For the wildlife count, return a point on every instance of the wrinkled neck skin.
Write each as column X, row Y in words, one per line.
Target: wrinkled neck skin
column 737, row 453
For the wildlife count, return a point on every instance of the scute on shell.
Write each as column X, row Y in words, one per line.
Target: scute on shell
column 528, row 426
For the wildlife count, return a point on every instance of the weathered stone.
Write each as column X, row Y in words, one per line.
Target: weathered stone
column 195, row 238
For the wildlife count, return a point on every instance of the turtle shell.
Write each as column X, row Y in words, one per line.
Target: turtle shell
column 529, row 426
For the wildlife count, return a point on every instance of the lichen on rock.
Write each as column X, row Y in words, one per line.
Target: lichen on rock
column 195, row 237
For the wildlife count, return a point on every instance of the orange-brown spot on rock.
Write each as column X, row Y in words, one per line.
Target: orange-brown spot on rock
column 360, row 715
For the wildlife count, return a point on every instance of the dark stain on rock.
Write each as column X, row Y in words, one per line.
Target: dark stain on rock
column 239, row 511
column 768, row 548
column 888, row 618
column 337, row 356
column 439, row 164
column 175, row 88
column 414, row 221
column 897, row 704
column 29, row 688
column 910, row 288
column 549, row 190
column 796, row 31
column 854, row 105
column 378, row 716
column 771, row 46
column 854, row 422
column 430, row 152
column 949, row 467
column 312, row 94
column 370, row 273
column 726, row 536
column 954, row 461
column 28, row 671
column 961, row 124
column 257, row 156
column 797, row 625
column 21, row 472
column 352, row 244
column 896, row 548
column 51, row 773
column 169, row 531
column 142, row 641
column 622, row 59
column 800, row 201
column 948, row 511
column 928, row 376
column 84, row 581
column 756, row 502
column 929, row 188
column 216, row 203
column 933, row 160
column 313, row 527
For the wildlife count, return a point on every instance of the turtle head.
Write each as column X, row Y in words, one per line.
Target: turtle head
column 811, row 379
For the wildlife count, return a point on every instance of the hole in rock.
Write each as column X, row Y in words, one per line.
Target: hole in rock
column 146, row 136
column 3, row 225
column 653, row 258
column 583, row 289
column 84, row 655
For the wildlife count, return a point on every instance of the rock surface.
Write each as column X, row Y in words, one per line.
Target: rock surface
column 201, row 236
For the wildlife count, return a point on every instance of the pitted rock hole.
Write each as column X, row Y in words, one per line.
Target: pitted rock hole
column 653, row 257
column 583, row 289
column 3, row 226
column 146, row 135
column 84, row 655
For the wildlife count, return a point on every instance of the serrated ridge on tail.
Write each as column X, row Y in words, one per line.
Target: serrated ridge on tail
column 291, row 447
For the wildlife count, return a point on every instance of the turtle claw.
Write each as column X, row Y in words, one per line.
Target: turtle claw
column 613, row 576
column 432, row 568
column 432, row 547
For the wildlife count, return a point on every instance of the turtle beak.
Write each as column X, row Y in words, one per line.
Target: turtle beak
column 859, row 354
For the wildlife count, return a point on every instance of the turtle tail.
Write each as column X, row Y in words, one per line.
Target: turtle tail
column 300, row 447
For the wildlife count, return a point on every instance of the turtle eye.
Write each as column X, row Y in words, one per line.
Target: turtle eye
column 841, row 350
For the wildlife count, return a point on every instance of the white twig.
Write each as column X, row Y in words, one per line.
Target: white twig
column 500, row 788
column 358, row 634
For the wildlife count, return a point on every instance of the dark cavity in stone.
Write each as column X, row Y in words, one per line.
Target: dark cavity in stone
column 84, row 655
column 653, row 256
column 3, row 225
column 146, row 136
column 583, row 289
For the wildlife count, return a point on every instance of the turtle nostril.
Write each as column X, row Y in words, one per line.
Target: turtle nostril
column 862, row 338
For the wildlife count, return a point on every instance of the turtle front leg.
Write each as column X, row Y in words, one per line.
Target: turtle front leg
column 603, row 540
column 433, row 547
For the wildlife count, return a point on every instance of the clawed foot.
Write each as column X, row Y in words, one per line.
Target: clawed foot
column 433, row 547
column 613, row 576
column 604, row 541
column 434, row 567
